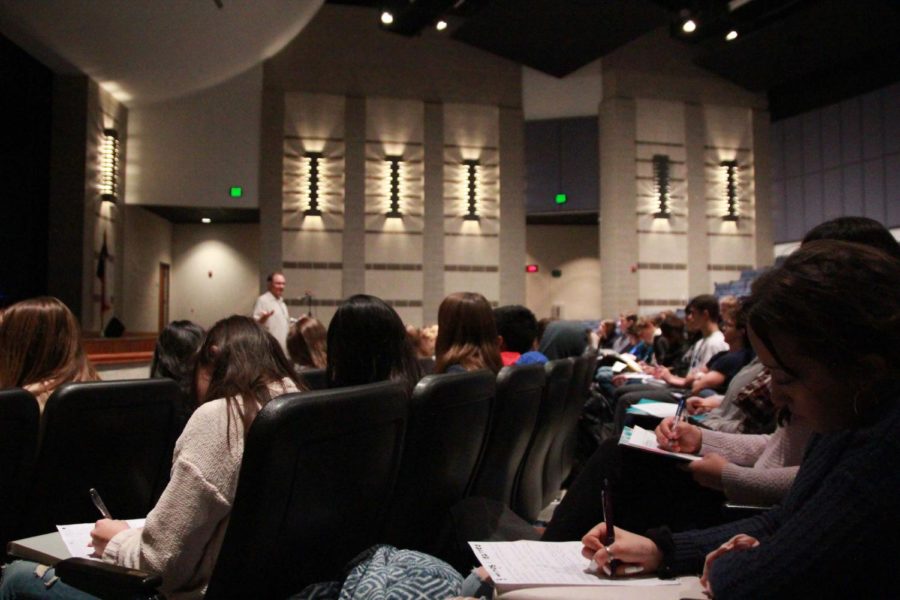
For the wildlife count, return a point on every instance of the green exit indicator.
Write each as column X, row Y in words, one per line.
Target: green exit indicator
column 561, row 198
column 236, row 192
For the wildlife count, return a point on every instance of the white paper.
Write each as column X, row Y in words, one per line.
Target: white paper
column 77, row 537
column 656, row 409
column 642, row 439
column 534, row 564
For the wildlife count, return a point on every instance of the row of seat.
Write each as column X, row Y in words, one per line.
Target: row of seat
column 328, row 473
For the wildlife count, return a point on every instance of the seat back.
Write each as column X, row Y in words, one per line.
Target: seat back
column 314, row 378
column 528, row 497
column 448, row 422
column 519, row 391
column 116, row 436
column 314, row 486
column 562, row 451
column 19, row 422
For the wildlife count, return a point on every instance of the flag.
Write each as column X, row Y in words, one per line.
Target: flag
column 101, row 274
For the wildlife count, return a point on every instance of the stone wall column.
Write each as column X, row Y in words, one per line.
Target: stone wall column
column 433, row 230
column 698, row 258
column 512, row 206
column 353, row 279
column 764, row 251
column 271, row 201
column 618, row 218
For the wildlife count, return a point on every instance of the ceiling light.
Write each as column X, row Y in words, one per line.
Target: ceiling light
column 206, row 220
column 731, row 35
column 387, row 18
column 441, row 25
column 689, row 26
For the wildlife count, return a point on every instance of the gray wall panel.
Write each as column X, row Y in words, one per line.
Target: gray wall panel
column 851, row 144
column 793, row 147
column 853, row 189
column 890, row 103
column 892, row 188
column 580, row 160
column 873, row 188
column 778, row 213
column 831, row 136
column 812, row 199
column 872, row 130
column 812, row 142
column 832, row 194
column 793, row 206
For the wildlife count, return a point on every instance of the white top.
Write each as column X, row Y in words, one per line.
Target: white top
column 279, row 322
column 705, row 348
column 184, row 532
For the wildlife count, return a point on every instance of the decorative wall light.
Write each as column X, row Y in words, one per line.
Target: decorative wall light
column 472, row 192
column 730, row 167
column 394, row 162
column 661, row 178
column 109, row 166
column 313, row 209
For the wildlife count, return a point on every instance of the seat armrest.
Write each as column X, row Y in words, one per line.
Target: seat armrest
column 107, row 581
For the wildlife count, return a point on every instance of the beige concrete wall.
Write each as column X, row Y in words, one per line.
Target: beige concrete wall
column 572, row 250
column 215, row 272
column 147, row 243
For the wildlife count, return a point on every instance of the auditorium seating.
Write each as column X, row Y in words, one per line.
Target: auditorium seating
column 448, row 423
column 19, row 417
column 530, row 484
column 519, row 390
column 114, row 436
column 314, row 378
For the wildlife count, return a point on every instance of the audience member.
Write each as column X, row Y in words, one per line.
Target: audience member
column 467, row 335
column 669, row 346
column 861, row 230
column 641, row 335
column 367, row 342
column 620, row 343
column 41, row 348
column 606, row 333
column 306, row 343
column 517, row 327
column 240, row 368
column 563, row 339
column 174, row 355
column 833, row 534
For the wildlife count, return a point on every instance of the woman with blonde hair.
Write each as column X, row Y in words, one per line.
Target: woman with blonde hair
column 41, row 348
column 467, row 335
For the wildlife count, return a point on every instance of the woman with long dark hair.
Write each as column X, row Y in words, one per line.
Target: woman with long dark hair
column 467, row 335
column 367, row 342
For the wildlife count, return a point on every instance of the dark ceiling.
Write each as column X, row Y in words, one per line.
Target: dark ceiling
column 802, row 53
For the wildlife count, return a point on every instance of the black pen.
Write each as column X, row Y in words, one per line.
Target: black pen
column 606, row 498
column 98, row 502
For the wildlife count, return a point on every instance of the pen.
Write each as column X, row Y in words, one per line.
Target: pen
column 679, row 413
column 98, row 502
column 606, row 498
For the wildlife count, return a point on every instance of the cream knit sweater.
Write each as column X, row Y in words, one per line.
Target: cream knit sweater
column 183, row 533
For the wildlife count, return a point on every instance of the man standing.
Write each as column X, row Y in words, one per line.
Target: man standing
column 271, row 312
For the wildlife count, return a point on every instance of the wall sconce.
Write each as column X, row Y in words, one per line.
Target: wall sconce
column 394, row 162
column 109, row 166
column 313, row 181
column 471, row 194
column 730, row 167
column 661, row 177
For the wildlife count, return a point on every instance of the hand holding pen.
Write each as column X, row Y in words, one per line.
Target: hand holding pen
column 682, row 437
column 105, row 528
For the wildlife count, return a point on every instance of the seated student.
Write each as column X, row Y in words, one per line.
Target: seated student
column 367, row 342
column 710, row 378
column 620, row 344
column 306, row 343
column 517, row 327
column 833, row 535
column 563, row 339
column 744, row 408
column 173, row 357
column 467, row 335
column 641, row 334
column 606, row 334
column 669, row 346
column 240, row 368
column 41, row 348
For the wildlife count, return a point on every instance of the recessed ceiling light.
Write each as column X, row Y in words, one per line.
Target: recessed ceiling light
column 689, row 26
column 206, row 220
column 387, row 18
column 731, row 35
column 441, row 25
